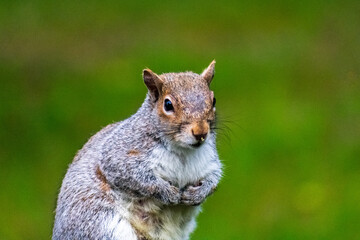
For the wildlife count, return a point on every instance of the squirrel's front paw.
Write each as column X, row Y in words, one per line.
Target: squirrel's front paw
column 168, row 194
column 194, row 195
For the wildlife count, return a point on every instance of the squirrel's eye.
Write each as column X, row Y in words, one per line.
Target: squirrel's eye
column 168, row 105
column 214, row 102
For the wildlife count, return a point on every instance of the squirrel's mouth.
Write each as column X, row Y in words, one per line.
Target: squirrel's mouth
column 196, row 145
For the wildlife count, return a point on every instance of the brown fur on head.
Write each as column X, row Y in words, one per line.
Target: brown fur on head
column 190, row 115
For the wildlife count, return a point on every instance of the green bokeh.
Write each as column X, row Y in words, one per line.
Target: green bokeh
column 288, row 96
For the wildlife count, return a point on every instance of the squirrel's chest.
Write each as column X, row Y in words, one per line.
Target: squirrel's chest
column 183, row 168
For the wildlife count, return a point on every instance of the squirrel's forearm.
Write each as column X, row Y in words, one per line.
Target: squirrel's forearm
column 138, row 182
column 214, row 177
column 134, row 179
column 150, row 187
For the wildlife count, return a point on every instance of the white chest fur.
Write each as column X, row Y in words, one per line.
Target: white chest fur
column 184, row 167
column 180, row 167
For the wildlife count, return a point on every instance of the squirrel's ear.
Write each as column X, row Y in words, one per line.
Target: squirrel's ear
column 153, row 83
column 208, row 73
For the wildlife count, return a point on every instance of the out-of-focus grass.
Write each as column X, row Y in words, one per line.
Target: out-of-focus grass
column 287, row 84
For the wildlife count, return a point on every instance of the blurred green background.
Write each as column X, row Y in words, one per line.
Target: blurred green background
column 288, row 96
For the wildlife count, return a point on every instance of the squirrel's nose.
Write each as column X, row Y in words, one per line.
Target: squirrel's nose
column 199, row 137
column 200, row 130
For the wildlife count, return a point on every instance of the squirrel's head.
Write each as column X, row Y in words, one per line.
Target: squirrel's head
column 184, row 105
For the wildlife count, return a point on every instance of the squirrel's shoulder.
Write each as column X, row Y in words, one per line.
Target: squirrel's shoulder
column 122, row 139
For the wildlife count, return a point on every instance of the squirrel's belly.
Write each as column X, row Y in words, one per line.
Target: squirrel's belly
column 152, row 220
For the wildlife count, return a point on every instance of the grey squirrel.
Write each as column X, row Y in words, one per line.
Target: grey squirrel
column 145, row 177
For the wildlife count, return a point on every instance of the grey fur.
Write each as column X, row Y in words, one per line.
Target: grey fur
column 115, row 170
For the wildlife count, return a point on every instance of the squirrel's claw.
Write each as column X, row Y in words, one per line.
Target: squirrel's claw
column 168, row 194
column 193, row 195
